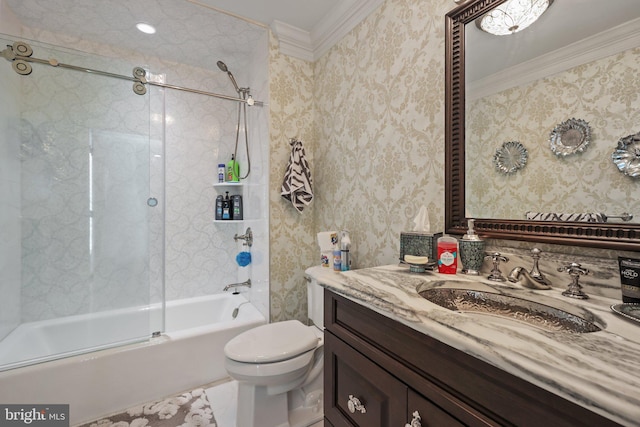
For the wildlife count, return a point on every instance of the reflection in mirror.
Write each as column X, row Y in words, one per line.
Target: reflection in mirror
column 524, row 86
column 548, row 87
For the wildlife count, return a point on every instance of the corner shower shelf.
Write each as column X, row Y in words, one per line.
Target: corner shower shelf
column 229, row 184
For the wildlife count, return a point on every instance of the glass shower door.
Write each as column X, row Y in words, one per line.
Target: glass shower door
column 76, row 211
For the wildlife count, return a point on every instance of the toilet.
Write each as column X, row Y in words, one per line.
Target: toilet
column 279, row 369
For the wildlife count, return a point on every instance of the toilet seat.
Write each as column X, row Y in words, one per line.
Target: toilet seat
column 274, row 342
column 283, row 371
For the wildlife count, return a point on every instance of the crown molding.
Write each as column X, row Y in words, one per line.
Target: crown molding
column 607, row 43
column 293, row 41
column 339, row 22
column 311, row 45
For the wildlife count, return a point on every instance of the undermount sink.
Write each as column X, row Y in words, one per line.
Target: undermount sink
column 476, row 297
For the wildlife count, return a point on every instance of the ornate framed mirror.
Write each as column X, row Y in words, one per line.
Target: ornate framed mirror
column 612, row 235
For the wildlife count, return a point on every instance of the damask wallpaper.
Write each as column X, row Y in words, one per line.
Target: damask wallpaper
column 291, row 234
column 371, row 115
column 605, row 93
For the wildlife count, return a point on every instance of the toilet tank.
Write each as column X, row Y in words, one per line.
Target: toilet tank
column 315, row 301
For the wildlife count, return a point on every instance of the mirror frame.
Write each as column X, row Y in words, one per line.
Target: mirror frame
column 599, row 235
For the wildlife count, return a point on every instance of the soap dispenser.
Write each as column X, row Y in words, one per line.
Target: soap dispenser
column 471, row 251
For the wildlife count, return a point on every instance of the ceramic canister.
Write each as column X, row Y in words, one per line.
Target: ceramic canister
column 471, row 256
column 471, row 251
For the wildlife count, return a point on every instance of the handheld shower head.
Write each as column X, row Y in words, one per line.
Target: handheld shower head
column 224, row 68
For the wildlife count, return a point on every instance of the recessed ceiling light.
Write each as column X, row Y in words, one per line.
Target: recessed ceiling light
column 145, row 28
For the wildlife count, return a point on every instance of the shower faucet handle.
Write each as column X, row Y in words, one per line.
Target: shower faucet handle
column 247, row 237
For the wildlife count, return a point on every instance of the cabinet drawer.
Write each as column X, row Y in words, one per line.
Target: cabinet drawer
column 430, row 414
column 350, row 376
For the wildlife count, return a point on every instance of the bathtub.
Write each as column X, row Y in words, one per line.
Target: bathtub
column 189, row 354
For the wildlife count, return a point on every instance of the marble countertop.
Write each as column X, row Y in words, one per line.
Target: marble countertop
column 597, row 370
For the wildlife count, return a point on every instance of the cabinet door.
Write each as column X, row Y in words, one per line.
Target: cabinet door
column 429, row 415
column 358, row 392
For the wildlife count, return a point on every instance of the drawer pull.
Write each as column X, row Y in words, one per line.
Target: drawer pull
column 354, row 405
column 415, row 422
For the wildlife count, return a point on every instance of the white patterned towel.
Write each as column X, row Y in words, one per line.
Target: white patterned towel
column 573, row 217
column 297, row 183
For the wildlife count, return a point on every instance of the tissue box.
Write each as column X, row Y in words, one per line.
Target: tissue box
column 419, row 244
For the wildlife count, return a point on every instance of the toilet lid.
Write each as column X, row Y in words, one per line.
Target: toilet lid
column 273, row 342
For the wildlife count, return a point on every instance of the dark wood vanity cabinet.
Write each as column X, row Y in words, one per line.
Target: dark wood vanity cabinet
column 381, row 397
column 379, row 372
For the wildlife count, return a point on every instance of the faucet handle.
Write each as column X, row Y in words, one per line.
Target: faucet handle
column 247, row 237
column 496, row 274
column 535, row 253
column 574, row 270
column 535, row 271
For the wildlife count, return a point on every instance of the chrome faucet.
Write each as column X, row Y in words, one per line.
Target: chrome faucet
column 526, row 279
column 246, row 283
column 533, row 279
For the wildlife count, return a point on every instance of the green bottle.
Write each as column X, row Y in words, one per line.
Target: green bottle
column 233, row 170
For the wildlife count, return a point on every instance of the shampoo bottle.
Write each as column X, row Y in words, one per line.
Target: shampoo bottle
column 447, row 254
column 233, row 170
column 219, row 201
column 236, row 204
column 226, row 207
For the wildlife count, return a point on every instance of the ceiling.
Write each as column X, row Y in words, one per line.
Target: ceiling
column 564, row 23
column 303, row 14
column 201, row 32
column 194, row 32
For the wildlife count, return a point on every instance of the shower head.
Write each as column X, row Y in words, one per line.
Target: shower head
column 224, row 68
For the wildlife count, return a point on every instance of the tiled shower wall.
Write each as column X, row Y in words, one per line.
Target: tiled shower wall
column 10, row 233
column 84, row 172
column 198, row 133
column 257, row 191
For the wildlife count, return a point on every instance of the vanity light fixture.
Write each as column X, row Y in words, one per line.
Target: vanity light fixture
column 512, row 16
column 146, row 28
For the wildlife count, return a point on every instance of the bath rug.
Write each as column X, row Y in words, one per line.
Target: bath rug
column 191, row 409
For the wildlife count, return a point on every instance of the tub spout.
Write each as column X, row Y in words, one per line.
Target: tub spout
column 247, row 283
